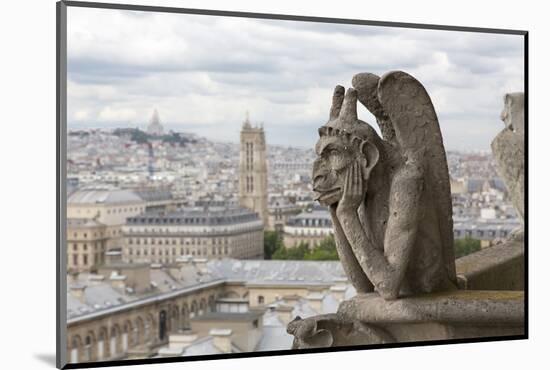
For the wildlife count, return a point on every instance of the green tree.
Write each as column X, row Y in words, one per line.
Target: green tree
column 272, row 243
column 324, row 251
column 298, row 252
column 465, row 246
column 280, row 254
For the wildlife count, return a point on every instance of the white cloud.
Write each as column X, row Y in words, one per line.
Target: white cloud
column 204, row 72
column 116, row 114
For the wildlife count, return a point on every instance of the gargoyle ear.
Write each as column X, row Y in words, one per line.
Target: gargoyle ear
column 371, row 153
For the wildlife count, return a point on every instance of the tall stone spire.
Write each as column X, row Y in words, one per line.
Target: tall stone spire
column 246, row 123
column 253, row 170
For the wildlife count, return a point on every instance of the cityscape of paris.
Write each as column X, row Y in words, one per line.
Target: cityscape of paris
column 233, row 296
column 192, row 226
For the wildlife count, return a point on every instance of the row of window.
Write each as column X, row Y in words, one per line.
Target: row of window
column 98, row 234
column 176, row 252
column 193, row 220
column 112, row 210
column 85, row 246
column 302, row 232
column 125, row 210
column 313, row 222
column 83, row 260
column 481, row 233
column 174, row 241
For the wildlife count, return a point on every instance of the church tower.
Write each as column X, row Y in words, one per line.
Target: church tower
column 253, row 170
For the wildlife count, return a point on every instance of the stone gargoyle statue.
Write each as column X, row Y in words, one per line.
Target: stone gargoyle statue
column 389, row 197
column 509, row 152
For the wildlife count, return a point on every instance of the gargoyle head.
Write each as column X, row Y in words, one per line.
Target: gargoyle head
column 513, row 112
column 342, row 140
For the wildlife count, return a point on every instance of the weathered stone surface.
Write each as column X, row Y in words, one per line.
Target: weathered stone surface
column 390, row 204
column 334, row 331
column 471, row 307
column 500, row 267
column 389, row 197
column 509, row 150
column 370, row 319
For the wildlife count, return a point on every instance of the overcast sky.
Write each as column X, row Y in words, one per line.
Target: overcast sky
column 203, row 73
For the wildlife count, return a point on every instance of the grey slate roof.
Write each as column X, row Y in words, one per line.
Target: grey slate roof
column 100, row 296
column 94, row 196
column 259, row 272
column 229, row 316
column 278, row 271
column 318, row 217
column 205, row 346
column 154, row 195
column 275, row 338
column 83, row 223
column 197, row 216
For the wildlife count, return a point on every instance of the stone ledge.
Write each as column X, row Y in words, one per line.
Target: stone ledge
column 500, row 267
column 369, row 319
column 486, row 308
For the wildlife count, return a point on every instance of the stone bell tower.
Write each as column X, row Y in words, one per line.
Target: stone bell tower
column 253, row 170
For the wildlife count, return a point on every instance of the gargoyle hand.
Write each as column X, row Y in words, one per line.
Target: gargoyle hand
column 354, row 189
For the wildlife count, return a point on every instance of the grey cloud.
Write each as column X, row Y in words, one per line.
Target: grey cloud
column 282, row 71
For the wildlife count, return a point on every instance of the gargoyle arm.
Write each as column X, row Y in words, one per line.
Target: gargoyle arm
column 353, row 270
column 386, row 269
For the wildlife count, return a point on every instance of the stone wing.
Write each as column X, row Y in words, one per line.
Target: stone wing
column 366, row 85
column 410, row 111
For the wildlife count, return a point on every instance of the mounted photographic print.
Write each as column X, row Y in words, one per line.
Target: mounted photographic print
column 237, row 184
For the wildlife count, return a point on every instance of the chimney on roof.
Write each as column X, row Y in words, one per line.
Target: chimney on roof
column 338, row 292
column 72, row 277
column 184, row 260
column 113, row 257
column 340, row 281
column 181, row 340
column 284, row 313
column 177, row 343
column 222, row 339
column 291, row 299
column 118, row 281
column 315, row 301
column 78, row 290
column 201, row 264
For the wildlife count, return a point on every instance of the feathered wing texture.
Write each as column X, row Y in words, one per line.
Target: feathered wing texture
column 417, row 133
column 366, row 85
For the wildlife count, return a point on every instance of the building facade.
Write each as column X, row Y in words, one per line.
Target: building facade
column 86, row 244
column 253, row 170
column 279, row 212
column 208, row 232
column 486, row 231
column 198, row 304
column 309, row 227
column 109, row 207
